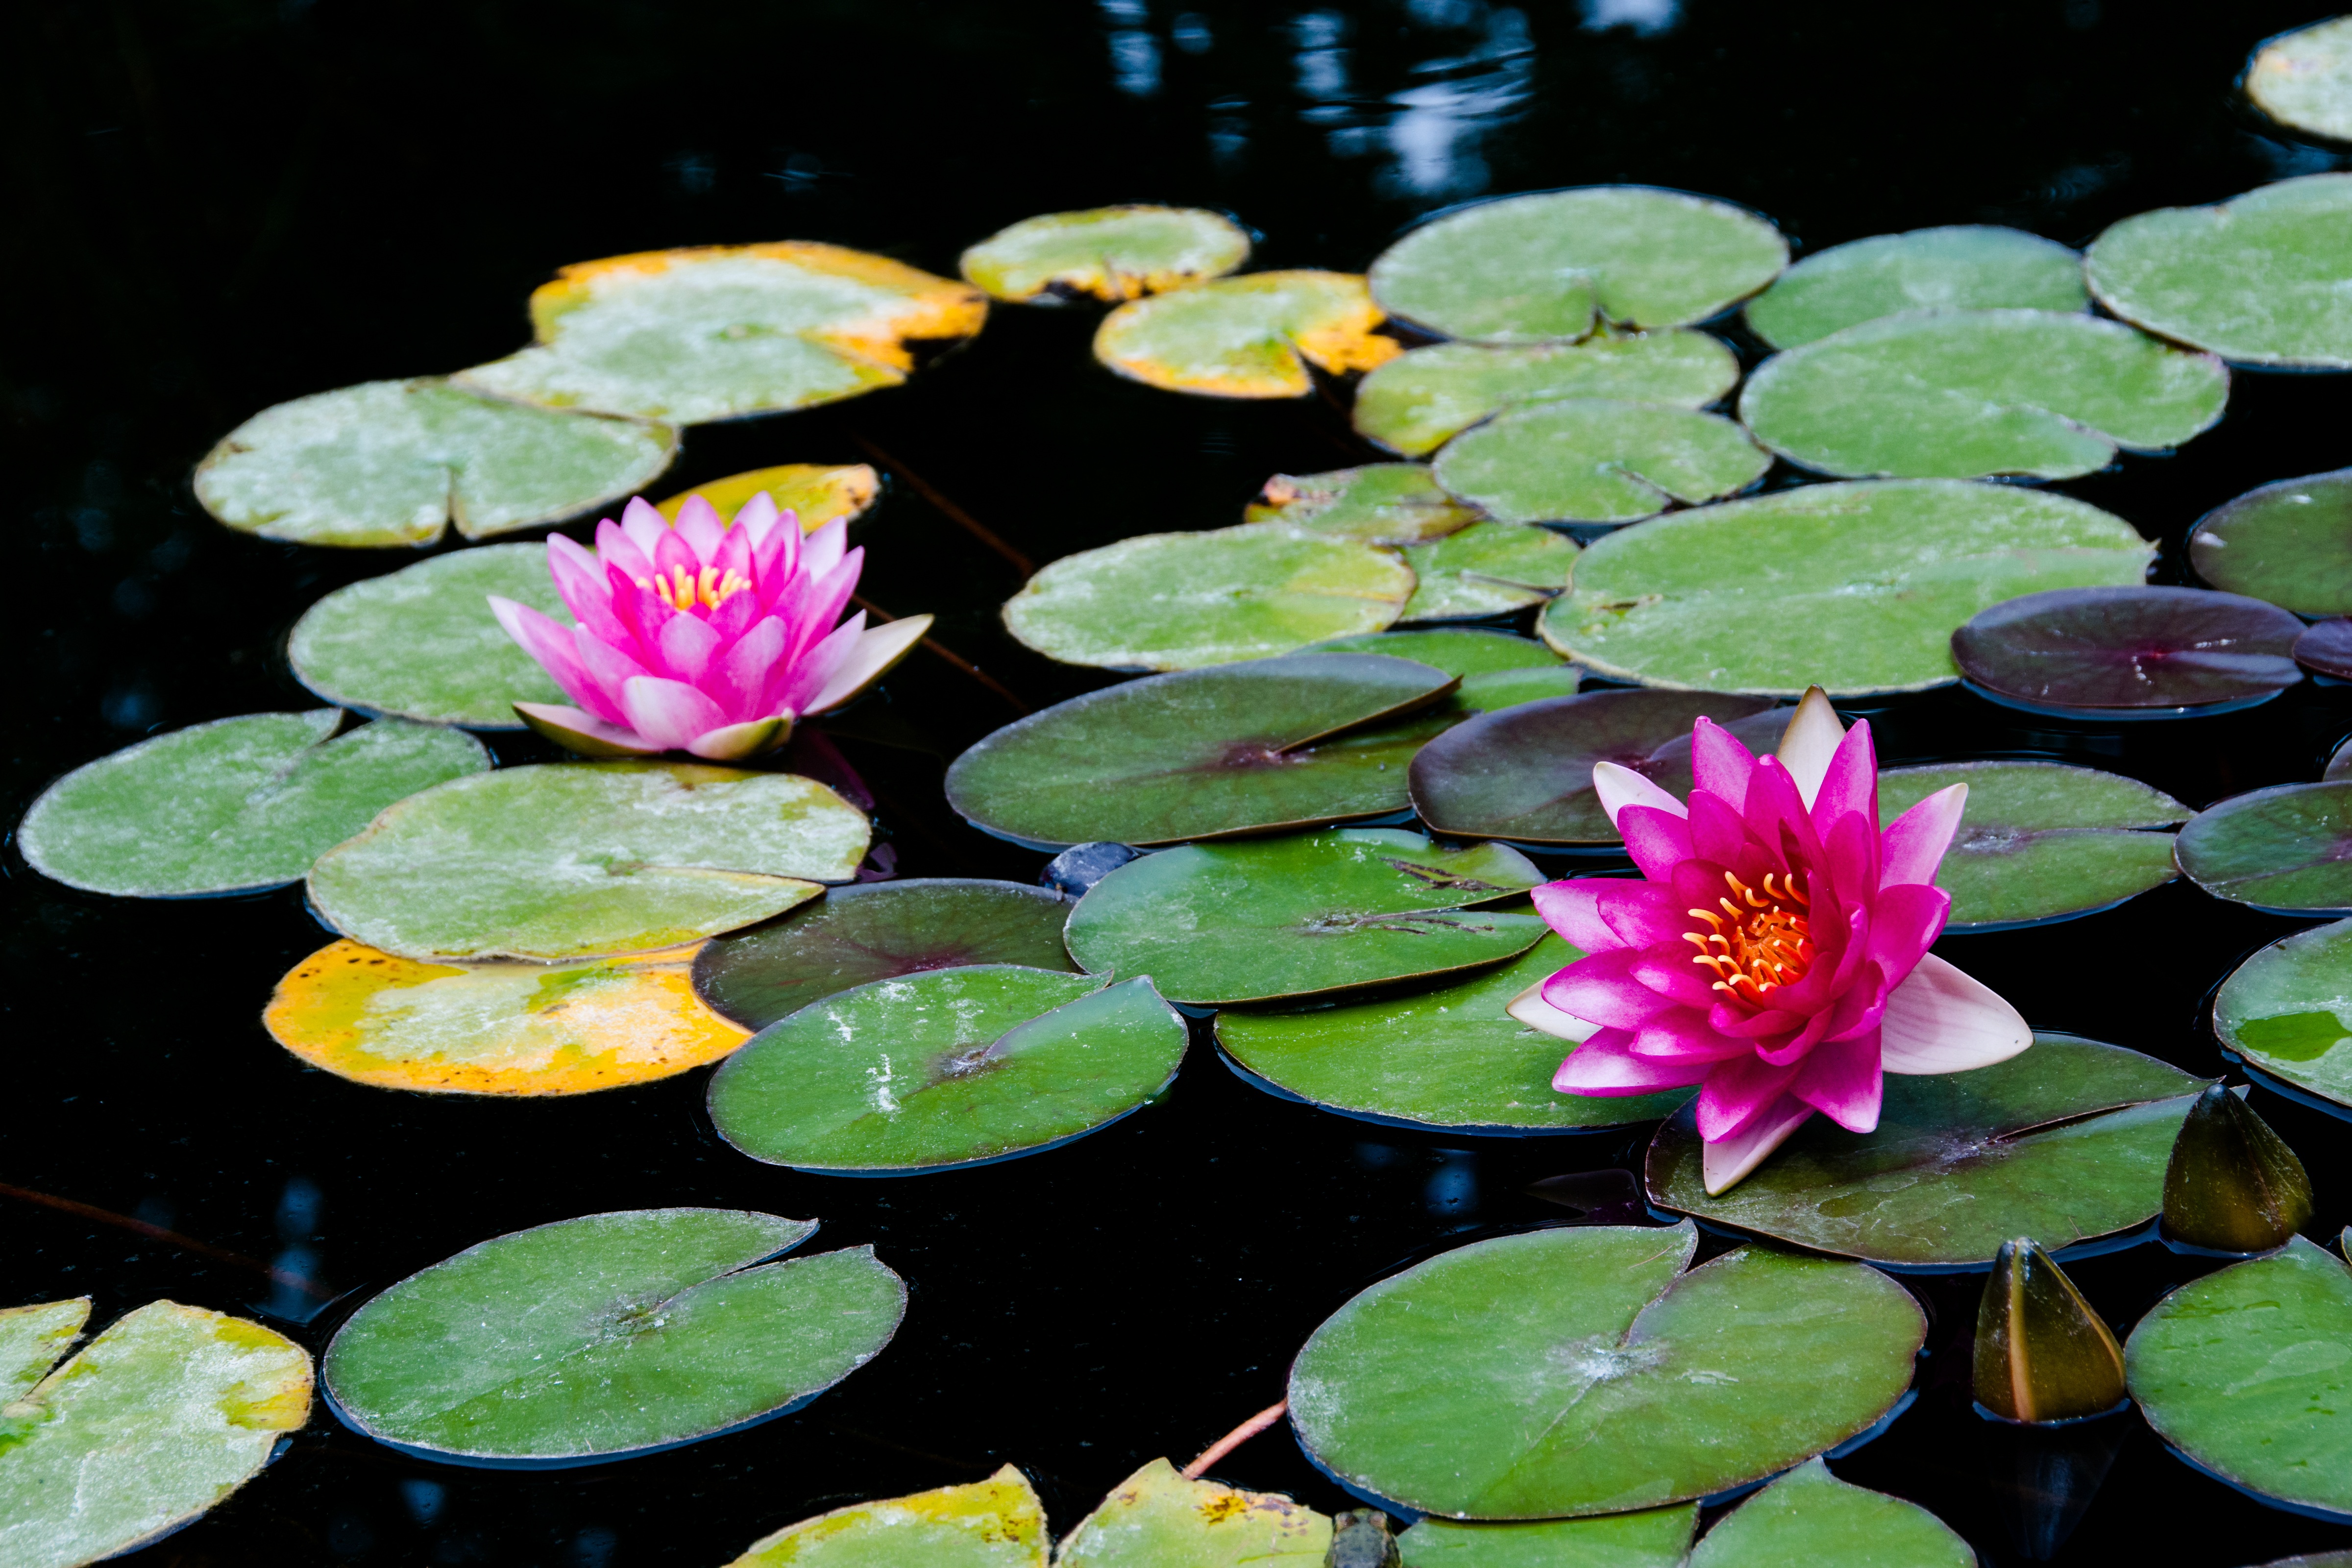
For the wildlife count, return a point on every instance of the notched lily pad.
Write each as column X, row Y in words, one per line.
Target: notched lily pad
column 995, row 1523
column 1157, row 1519
column 1380, row 503
column 1487, row 569
column 2302, row 79
column 1966, row 267
column 1420, row 400
column 1811, row 1516
column 2289, row 542
column 2285, row 1009
column 1254, row 336
column 2284, row 850
column 2129, row 652
column 815, row 492
column 1499, row 670
column 1595, row 460
column 1106, row 253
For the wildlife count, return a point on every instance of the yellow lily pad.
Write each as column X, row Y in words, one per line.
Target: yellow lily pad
column 1159, row 1518
column 1106, row 253
column 995, row 1523
column 818, row 492
column 1247, row 337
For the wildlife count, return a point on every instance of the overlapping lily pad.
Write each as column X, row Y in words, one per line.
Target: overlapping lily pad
column 995, row 1523
column 1157, row 1519
column 1582, row 1371
column 1857, row 587
column 573, row 860
column 1498, row 669
column 2303, row 78
column 2284, row 1011
column 2286, row 850
column 1263, row 920
column 611, row 1336
column 1966, row 267
column 2326, row 648
column 1106, row 253
column 234, row 806
column 1254, row 336
column 815, row 492
column 1595, row 460
column 1652, row 1538
column 1811, row 1516
column 1487, row 569
column 1380, row 503
column 1419, row 401
column 2066, row 1143
column 2289, row 542
column 2129, row 652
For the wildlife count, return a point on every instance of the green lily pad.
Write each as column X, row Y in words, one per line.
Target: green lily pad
column 2065, row 1143
column 1487, row 569
column 2285, row 1009
column 1380, row 503
column 1106, row 253
column 2263, row 278
column 2248, row 1372
column 995, row 1523
column 1582, row 1370
column 1499, row 670
column 1178, row 601
column 396, row 462
column 2041, row 841
column 1967, row 394
column 151, row 1425
column 1877, row 576
column 568, row 861
column 1967, row 267
column 2285, row 850
column 2302, row 79
column 1653, row 1538
column 232, row 806
column 1157, row 1519
column 1264, row 919
column 874, row 931
column 2141, row 652
column 1811, row 1516
column 1545, row 268
column 608, row 1336
column 956, row 1067
column 2289, row 542
column 1247, row 337
column 1593, row 461
column 1419, row 401
column 1306, row 740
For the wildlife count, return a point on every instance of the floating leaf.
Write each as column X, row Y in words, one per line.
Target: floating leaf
column 1967, row 267
column 1247, row 337
column 608, row 1336
column 2284, row 1010
column 2289, row 542
column 2233, row 1185
column 1380, row 503
column 1487, row 569
column 2129, row 652
column 2042, row 1354
column 1157, row 1519
column 721, row 332
column 816, row 492
column 1857, row 587
column 1106, row 253
column 1811, row 1516
column 1592, row 461
column 1499, row 670
column 2302, row 79
column 995, row 1523
column 35, row 1338
column 1653, row 1537
column 2284, row 850
column 571, row 860
column 1419, row 401
column 1542, row 267
column 234, row 806
column 2326, row 648
column 395, row 462
column 1580, row 1370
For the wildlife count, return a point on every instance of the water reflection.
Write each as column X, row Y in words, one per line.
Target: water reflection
column 1134, row 52
column 299, row 1203
column 1646, row 17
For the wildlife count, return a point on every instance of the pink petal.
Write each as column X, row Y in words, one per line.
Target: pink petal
column 1810, row 742
column 1727, row 1162
column 1620, row 787
column 1717, row 832
column 699, row 528
column 774, row 561
column 579, row 579
column 754, row 518
column 610, row 668
column 1719, row 763
column 1841, row 1079
column 739, row 679
column 1849, row 781
column 669, row 713
column 1597, row 913
column 673, row 554
column 551, row 645
column 1657, row 841
column 1573, row 910
column 1913, row 843
column 733, row 554
column 644, row 527
column 1529, row 1008
column 1796, row 1047
column 1940, row 1020
column 1602, row 989
column 1775, row 814
column 1681, row 1034
column 823, row 549
column 1737, row 1092
column 814, row 670
column 688, row 646
column 879, row 651
column 734, row 615
column 1903, row 924
column 1603, row 1067
column 1672, row 971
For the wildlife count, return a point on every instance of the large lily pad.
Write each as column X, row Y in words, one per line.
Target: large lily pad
column 1178, row 601
column 1419, row 401
column 2289, row 542
column 572, row 860
column 1380, row 503
column 2285, row 1008
column 1498, row 669
column 608, row 1336
column 396, row 462
column 2286, row 850
column 1582, row 1370
column 1811, row 1516
column 1546, row 268
column 1967, row 394
column 2066, row 1143
column 1857, row 587
column 1106, row 253
column 2129, row 652
column 815, row 492
column 995, row 1523
column 1594, row 460
column 1254, row 336
column 1652, row 1538
column 1157, row 1519
column 147, row 1426
column 1261, row 920
column 1487, row 569
column 1967, row 267
column 234, row 806
column 2303, row 78
column 721, row 332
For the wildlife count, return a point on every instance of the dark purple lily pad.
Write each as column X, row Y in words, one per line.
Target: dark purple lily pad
column 2284, row 850
column 2129, row 652
column 2289, row 542
column 2326, row 648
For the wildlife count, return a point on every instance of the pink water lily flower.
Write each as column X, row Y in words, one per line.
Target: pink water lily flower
column 704, row 636
column 1775, row 953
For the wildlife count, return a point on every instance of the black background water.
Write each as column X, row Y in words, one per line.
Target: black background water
column 218, row 206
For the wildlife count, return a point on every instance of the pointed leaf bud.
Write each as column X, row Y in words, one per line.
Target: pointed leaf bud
column 2233, row 1185
column 1810, row 742
column 2042, row 1354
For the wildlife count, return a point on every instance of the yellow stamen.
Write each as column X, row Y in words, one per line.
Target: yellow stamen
column 1765, row 944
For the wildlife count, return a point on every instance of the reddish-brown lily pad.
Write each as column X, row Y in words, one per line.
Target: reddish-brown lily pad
column 2326, row 648
column 2284, row 850
column 2289, row 542
column 2129, row 653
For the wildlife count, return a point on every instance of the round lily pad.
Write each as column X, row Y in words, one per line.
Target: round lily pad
column 1967, row 267
column 1499, row 670
column 1106, row 253
column 995, row 1523
column 2285, row 850
column 1419, row 401
column 2041, row 841
column 147, row 1426
column 2284, row 1010
column 1247, row 337
column 1652, row 1538
column 1177, row 601
column 2129, row 652
column 232, row 806
column 1580, row 1370
column 2248, row 1372
column 2302, row 79
column 2289, row 542
column 2065, row 1143
column 954, row 1067
column 608, row 1336
column 572, row 860
column 1380, row 503
column 1968, row 395
column 1875, row 577
column 1263, row 920
column 2263, row 278
column 1811, row 1516
column 1543, row 268
column 875, row 931
column 721, row 332
column 2326, row 648
column 1487, row 569
column 497, row 1029
column 395, row 462
column 815, row 492
column 1158, row 1519
column 1594, row 460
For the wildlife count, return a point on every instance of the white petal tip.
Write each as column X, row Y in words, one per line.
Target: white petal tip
column 1726, row 1163
column 1810, row 742
column 582, row 733
column 1530, row 1008
column 1942, row 1020
column 877, row 653
column 1620, row 787
column 736, row 742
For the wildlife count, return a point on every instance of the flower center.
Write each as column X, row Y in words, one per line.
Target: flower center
column 681, row 590
column 1754, row 942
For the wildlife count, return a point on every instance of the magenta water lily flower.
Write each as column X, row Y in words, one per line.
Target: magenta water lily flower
column 704, row 637
column 1775, row 953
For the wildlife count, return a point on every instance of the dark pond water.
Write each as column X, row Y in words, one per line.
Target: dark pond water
column 216, row 205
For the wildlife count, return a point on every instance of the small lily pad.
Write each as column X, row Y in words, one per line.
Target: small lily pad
column 1967, row 267
column 1593, row 461
column 955, row 1066
column 1499, row 670
column 1487, row 569
column 1879, row 576
column 1419, row 401
column 2066, row 1143
column 1653, row 1538
column 1811, row 1516
column 2284, row 1011
column 2285, row 850
column 1157, row 1519
column 1381, row 503
column 396, row 462
column 1178, row 601
column 995, row 1523
column 815, row 492
column 608, row 1336
column 2302, row 79
column 2129, row 652
column 1264, row 919
column 232, row 806
column 1968, row 395
column 1254, row 336
column 1546, row 268
column 1106, row 253
column 1582, row 1370
column 2326, row 648
column 573, row 861
column 2289, row 542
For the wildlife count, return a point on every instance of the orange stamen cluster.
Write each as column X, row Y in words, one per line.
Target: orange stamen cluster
column 682, row 590
column 1756, row 944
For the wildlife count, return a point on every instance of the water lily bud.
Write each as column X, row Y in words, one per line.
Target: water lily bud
column 2041, row 1354
column 2232, row 1184
column 1360, row 1538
